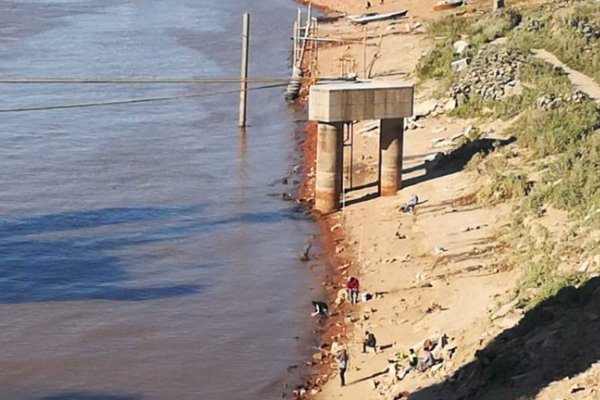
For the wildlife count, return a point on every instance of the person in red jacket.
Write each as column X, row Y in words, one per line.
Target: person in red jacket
column 352, row 288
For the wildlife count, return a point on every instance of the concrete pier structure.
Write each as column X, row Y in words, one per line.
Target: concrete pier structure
column 332, row 105
column 391, row 143
column 330, row 161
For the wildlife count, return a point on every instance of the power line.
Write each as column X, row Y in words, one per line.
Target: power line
column 129, row 101
column 138, row 80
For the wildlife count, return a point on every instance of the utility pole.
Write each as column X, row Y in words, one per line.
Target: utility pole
column 295, row 38
column 298, row 36
column 365, row 52
column 244, row 70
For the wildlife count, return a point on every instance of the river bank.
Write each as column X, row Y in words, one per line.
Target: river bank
column 423, row 268
column 442, row 271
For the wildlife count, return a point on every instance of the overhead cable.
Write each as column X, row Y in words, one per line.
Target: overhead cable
column 130, row 101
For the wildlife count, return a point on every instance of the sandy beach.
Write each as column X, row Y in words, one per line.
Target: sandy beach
column 437, row 272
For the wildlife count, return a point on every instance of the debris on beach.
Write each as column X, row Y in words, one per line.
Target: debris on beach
column 335, row 227
column 439, row 250
column 434, row 307
column 304, row 256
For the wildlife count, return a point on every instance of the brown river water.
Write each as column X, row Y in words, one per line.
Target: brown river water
column 141, row 256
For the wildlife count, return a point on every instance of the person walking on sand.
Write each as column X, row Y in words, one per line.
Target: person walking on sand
column 369, row 341
column 352, row 287
column 342, row 362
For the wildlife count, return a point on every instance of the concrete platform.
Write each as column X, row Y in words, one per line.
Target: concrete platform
column 351, row 101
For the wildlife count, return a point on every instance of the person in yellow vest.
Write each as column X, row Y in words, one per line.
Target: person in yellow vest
column 413, row 361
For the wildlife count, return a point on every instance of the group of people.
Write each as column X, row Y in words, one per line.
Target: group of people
column 321, row 310
column 368, row 5
column 414, row 362
column 352, row 291
column 421, row 364
column 341, row 357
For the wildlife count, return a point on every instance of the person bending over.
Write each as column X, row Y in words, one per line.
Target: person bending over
column 412, row 203
column 352, row 287
column 320, row 309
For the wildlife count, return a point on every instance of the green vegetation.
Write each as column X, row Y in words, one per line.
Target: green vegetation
column 557, row 164
column 550, row 132
column 540, row 254
column 569, row 33
column 436, row 63
column 571, row 182
column 536, row 77
column 446, row 31
column 504, row 186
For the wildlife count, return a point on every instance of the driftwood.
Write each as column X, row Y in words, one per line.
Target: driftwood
column 376, row 56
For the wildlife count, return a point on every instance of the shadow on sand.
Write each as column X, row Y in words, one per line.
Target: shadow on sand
column 448, row 164
column 556, row 339
column 454, row 161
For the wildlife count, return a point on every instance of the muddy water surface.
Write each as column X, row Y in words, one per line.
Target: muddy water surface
column 140, row 254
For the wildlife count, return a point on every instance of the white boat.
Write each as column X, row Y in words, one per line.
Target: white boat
column 448, row 4
column 366, row 18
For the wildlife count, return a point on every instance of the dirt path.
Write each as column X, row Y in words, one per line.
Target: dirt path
column 578, row 79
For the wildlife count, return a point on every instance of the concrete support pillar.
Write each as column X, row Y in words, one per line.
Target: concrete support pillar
column 330, row 143
column 391, row 142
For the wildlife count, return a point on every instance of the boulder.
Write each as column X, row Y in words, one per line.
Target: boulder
column 460, row 65
column 584, row 267
column 423, row 109
column 460, row 47
column 505, row 309
column 435, row 157
column 450, row 105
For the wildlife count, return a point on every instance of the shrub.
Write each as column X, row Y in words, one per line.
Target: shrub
column 578, row 178
column 561, row 35
column 554, row 131
column 504, row 186
column 436, row 64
